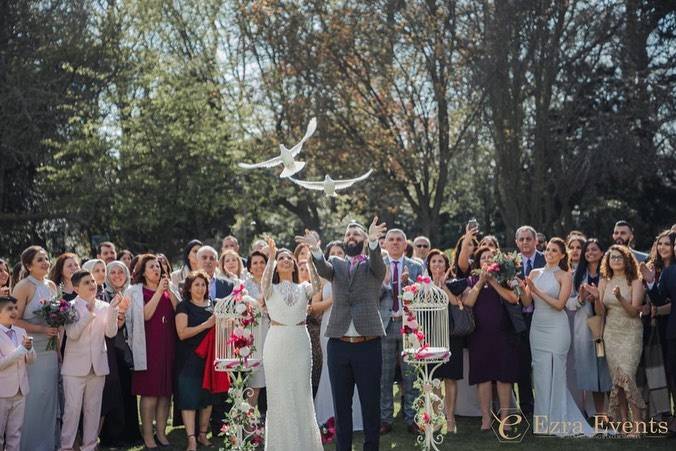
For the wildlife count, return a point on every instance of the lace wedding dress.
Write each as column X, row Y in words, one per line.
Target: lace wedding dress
column 287, row 358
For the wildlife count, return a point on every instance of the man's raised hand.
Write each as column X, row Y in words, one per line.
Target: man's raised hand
column 376, row 230
column 309, row 239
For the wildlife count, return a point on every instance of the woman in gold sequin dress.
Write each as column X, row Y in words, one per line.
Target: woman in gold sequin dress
column 619, row 297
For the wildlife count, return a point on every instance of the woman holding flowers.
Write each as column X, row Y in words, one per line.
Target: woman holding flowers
column 39, row 432
column 493, row 344
column 549, row 288
column 287, row 355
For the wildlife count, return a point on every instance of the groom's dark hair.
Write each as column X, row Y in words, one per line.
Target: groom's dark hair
column 356, row 225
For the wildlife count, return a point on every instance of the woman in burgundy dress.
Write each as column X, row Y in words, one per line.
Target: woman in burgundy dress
column 152, row 337
column 493, row 344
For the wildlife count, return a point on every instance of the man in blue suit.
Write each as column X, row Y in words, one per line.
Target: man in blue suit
column 531, row 258
column 401, row 270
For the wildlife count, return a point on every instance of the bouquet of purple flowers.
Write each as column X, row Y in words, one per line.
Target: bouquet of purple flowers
column 56, row 312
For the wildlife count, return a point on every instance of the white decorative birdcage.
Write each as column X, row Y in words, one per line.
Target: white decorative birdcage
column 426, row 341
column 426, row 330
column 239, row 337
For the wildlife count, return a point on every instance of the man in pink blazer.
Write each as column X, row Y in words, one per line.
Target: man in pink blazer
column 85, row 362
column 16, row 350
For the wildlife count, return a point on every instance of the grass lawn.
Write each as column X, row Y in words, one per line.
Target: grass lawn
column 469, row 437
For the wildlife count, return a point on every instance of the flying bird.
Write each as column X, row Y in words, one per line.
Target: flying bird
column 286, row 156
column 330, row 186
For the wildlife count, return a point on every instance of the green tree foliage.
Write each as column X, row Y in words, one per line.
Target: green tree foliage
column 125, row 118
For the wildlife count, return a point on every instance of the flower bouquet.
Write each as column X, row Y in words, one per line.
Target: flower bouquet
column 328, row 431
column 504, row 267
column 56, row 312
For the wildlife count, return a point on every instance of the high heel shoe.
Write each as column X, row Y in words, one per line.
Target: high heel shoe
column 204, row 442
column 160, row 444
column 189, row 448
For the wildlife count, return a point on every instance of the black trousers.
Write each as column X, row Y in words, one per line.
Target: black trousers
column 360, row 364
column 525, row 369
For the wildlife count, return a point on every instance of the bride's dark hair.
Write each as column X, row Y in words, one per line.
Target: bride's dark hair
column 294, row 274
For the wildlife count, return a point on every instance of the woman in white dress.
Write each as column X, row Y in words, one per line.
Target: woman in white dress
column 324, row 398
column 287, row 356
column 555, row 411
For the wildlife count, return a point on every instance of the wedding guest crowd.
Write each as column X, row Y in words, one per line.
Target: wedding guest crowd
column 129, row 355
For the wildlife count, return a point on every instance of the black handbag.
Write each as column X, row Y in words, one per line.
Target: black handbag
column 515, row 317
column 461, row 320
column 123, row 350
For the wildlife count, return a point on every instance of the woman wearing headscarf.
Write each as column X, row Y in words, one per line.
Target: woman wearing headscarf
column 119, row 412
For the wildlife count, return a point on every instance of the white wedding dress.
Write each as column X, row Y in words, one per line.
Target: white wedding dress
column 287, row 360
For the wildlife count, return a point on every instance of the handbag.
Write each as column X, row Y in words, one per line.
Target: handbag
column 515, row 317
column 595, row 325
column 461, row 320
column 123, row 349
column 658, row 392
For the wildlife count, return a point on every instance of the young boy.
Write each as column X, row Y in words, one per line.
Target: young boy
column 85, row 362
column 16, row 350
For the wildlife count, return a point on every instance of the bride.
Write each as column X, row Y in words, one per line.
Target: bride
column 290, row 422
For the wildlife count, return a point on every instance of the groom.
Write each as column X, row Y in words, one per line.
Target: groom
column 354, row 353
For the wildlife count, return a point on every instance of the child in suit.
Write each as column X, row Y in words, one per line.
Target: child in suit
column 85, row 362
column 16, row 350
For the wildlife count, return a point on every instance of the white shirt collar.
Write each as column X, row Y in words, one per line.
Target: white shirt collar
column 400, row 260
column 5, row 329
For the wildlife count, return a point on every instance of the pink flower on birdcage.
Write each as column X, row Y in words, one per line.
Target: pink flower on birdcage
column 424, row 279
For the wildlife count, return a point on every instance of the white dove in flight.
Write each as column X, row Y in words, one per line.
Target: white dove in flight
column 330, row 186
column 286, row 156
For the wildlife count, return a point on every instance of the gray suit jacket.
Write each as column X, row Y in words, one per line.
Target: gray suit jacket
column 415, row 269
column 355, row 296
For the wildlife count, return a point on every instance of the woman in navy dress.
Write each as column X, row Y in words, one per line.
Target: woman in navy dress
column 438, row 267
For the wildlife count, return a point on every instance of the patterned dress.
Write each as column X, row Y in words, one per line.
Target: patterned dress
column 622, row 336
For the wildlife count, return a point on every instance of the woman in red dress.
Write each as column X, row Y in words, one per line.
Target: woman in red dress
column 153, row 344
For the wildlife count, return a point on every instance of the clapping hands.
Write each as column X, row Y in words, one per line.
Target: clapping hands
column 617, row 293
column 404, row 276
column 647, row 271
column 27, row 342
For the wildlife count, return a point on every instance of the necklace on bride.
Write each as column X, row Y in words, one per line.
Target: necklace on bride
column 286, row 289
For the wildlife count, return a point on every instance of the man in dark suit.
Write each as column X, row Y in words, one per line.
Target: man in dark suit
column 354, row 353
column 207, row 258
column 531, row 258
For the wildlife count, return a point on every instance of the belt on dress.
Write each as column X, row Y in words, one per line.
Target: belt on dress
column 360, row 339
column 275, row 323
